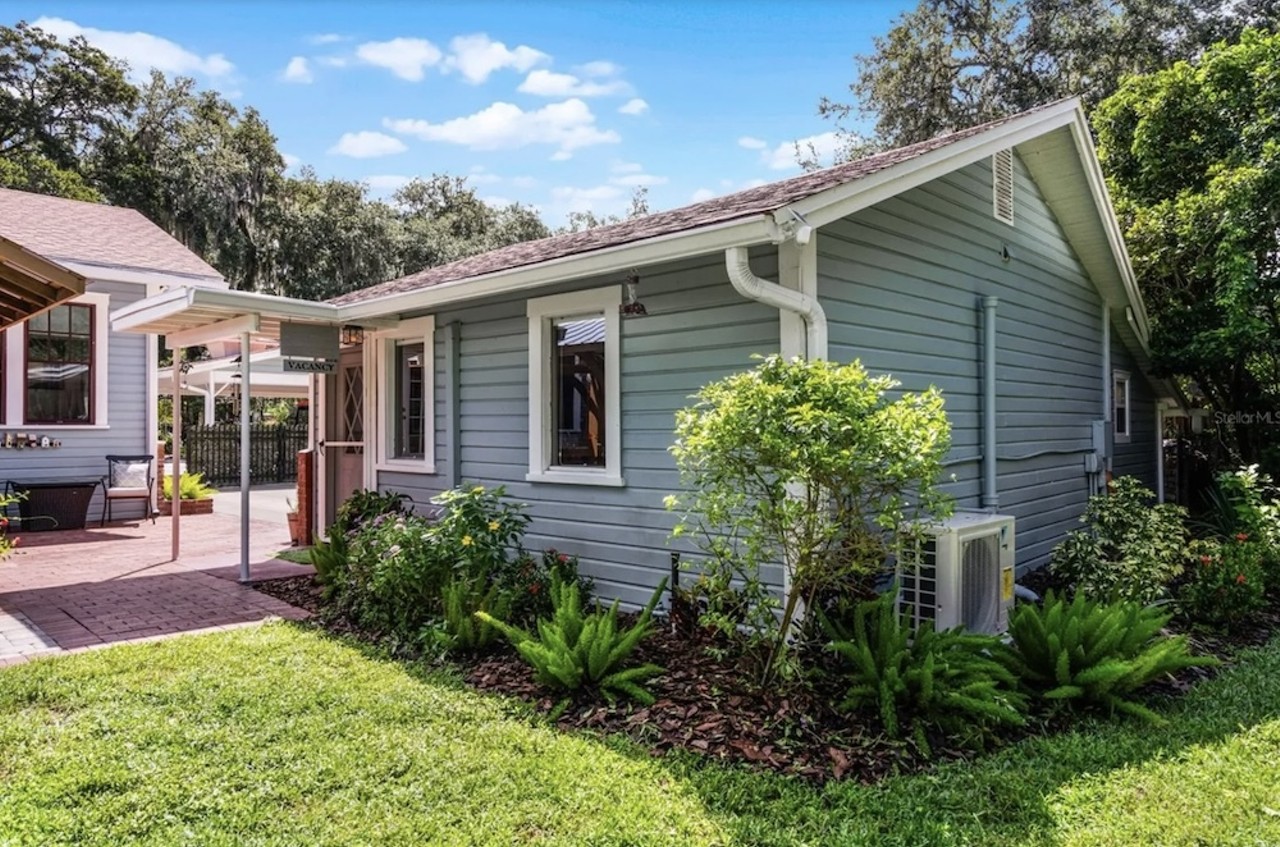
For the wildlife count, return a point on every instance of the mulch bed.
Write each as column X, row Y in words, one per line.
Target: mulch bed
column 708, row 703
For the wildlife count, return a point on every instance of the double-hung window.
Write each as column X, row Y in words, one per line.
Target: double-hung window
column 1120, row 406
column 60, row 366
column 575, row 427
column 405, row 396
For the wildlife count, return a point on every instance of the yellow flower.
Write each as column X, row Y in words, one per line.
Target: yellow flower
column 479, row 489
column 466, row 541
column 493, row 526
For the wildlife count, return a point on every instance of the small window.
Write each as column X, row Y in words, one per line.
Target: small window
column 410, row 434
column 575, row 432
column 1002, row 185
column 60, row 368
column 1120, row 404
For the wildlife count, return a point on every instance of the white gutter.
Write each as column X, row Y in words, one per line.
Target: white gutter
column 746, row 283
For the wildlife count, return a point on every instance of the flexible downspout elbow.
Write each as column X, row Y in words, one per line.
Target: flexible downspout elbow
column 746, row 283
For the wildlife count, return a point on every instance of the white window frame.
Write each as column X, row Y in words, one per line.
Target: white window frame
column 1121, row 436
column 541, row 312
column 386, row 402
column 15, row 361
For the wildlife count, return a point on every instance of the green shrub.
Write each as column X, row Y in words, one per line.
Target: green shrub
column 331, row 560
column 480, row 528
column 1131, row 549
column 366, row 505
column 459, row 628
column 951, row 680
column 190, row 487
column 574, row 649
column 811, row 466
column 1092, row 654
column 1225, row 583
column 528, row 580
column 396, row 575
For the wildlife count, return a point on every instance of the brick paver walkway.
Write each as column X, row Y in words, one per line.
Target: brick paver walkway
column 83, row 588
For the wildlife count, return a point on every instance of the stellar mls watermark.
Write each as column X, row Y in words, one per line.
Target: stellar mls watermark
column 1267, row 418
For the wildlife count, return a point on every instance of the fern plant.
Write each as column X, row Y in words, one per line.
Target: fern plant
column 574, row 649
column 459, row 628
column 1089, row 653
column 952, row 680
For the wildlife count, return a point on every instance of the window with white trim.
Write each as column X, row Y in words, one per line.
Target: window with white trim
column 575, row 427
column 56, row 366
column 405, row 396
column 1120, row 407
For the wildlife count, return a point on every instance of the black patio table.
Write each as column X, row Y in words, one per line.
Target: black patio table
column 58, row 504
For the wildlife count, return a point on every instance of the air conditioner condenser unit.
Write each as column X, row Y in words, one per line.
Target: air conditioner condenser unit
column 960, row 573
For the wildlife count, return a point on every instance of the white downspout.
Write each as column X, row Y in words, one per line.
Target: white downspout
column 746, row 283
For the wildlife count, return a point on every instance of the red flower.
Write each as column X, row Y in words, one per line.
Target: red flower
column 563, row 557
column 1206, row 560
column 4, row 523
column 535, row 588
column 1239, row 579
column 1242, row 536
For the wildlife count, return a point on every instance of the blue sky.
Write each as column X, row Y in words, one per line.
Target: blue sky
column 563, row 106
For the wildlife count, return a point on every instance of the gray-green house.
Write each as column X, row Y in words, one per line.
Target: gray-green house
column 527, row 367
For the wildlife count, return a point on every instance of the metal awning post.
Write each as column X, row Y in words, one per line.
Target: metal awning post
column 175, row 477
column 244, row 457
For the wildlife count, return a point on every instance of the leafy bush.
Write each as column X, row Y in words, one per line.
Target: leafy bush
column 480, row 528
column 191, row 486
column 1225, row 582
column 808, row 466
column 528, row 580
column 365, row 505
column 1131, row 550
column 574, row 649
column 331, row 561
column 1246, row 502
column 396, row 575
column 1090, row 653
column 951, row 680
column 459, row 629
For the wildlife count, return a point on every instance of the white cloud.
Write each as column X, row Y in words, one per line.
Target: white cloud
column 387, row 182
column 326, row 38
column 636, row 180
column 702, row 194
column 561, row 156
column 783, row 157
column 575, row 199
column 524, row 182
column 752, row 143
column 141, row 50
column 290, row 160
column 334, row 61
column 367, row 145
column 298, row 70
column 599, row 69
column 634, row 106
column 626, row 167
column 569, row 126
column 407, row 58
column 544, row 83
column 476, row 56
column 480, row 175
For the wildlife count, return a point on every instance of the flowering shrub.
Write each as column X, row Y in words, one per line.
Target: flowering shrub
column 1225, row 583
column 396, row 574
column 529, row 580
column 479, row 528
column 7, row 542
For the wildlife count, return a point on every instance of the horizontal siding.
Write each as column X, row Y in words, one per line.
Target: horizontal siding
column 82, row 453
column 1138, row 456
column 697, row 330
column 901, row 283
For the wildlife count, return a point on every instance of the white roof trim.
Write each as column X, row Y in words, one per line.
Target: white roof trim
column 139, row 276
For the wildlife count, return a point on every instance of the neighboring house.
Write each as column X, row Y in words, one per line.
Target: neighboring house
column 516, row 367
column 64, row 373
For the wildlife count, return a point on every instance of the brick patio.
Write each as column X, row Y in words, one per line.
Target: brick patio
column 80, row 589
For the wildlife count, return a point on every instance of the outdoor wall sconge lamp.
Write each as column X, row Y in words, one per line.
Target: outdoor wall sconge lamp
column 352, row 335
column 632, row 305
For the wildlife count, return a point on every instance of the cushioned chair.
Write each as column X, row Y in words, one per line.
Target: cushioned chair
column 128, row 478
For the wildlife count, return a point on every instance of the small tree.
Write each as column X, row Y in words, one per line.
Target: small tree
column 809, row 466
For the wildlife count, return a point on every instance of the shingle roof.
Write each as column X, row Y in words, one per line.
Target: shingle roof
column 96, row 234
column 743, row 204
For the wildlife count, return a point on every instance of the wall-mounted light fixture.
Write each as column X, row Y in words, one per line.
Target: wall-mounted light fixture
column 632, row 306
column 352, row 334
column 1004, row 253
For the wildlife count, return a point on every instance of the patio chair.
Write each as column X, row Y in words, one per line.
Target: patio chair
column 128, row 478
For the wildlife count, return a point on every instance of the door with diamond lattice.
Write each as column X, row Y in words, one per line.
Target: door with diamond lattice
column 344, row 437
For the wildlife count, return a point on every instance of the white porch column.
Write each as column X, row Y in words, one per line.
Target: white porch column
column 208, row 398
column 245, row 393
column 175, row 477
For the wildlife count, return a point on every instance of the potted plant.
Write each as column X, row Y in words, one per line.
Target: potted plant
column 295, row 523
column 197, row 497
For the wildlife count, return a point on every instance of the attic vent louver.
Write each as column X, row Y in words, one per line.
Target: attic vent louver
column 1002, row 185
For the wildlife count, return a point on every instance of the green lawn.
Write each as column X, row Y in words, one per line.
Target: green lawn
column 280, row 735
